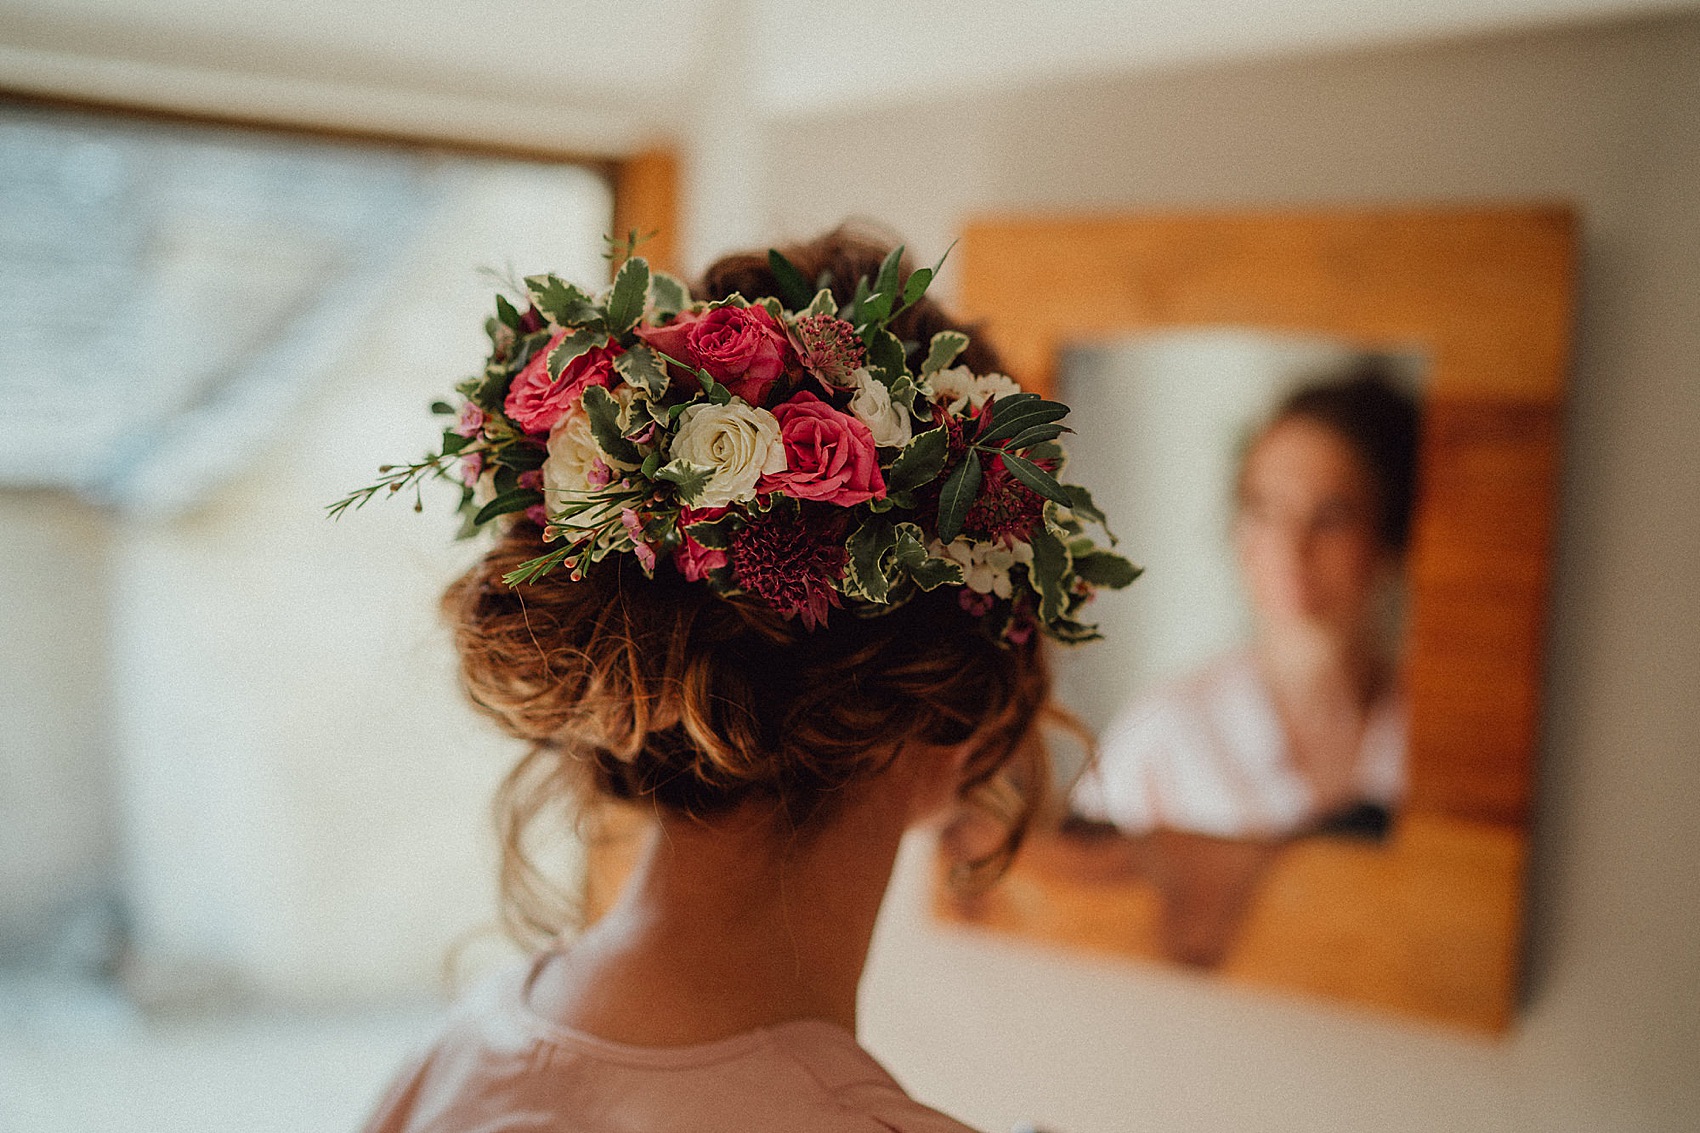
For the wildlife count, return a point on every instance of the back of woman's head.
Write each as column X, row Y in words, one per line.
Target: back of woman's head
column 656, row 691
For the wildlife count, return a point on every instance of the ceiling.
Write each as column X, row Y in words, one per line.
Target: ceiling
column 604, row 70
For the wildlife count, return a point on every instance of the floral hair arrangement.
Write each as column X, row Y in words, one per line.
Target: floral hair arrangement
column 787, row 451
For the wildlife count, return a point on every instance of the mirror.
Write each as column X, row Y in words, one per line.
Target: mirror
column 1331, row 440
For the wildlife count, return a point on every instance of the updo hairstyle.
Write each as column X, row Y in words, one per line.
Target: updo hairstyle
column 1379, row 418
column 656, row 692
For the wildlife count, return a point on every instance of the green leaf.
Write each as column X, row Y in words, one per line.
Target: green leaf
column 1017, row 413
column 1035, row 477
column 823, row 304
column 919, row 462
column 651, row 463
column 868, row 547
column 916, row 286
column 575, row 345
column 715, row 534
column 453, row 442
column 561, row 302
column 958, row 496
column 1080, row 503
column 640, row 367
column 691, row 478
column 929, row 573
column 1103, row 568
column 1036, row 434
column 604, row 414
column 441, row 407
column 1048, row 574
column 507, row 313
column 667, row 295
column 886, row 282
column 520, row 457
column 885, row 358
column 517, row 500
column 793, row 286
column 942, row 351
column 631, row 290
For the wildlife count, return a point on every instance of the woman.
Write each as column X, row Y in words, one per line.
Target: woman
column 782, row 744
column 1304, row 729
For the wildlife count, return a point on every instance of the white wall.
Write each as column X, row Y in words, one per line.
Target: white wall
column 1610, row 1039
column 305, row 787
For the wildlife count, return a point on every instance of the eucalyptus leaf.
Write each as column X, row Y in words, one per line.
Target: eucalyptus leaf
column 1035, row 477
column 626, row 300
column 517, row 500
column 958, row 496
column 604, row 414
column 942, row 351
column 640, row 367
column 793, row 286
column 919, row 462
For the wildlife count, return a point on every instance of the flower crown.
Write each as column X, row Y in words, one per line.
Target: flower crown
column 785, row 451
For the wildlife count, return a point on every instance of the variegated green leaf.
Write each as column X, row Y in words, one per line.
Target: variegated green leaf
column 928, row 572
column 604, row 414
column 919, row 462
column 626, row 300
column 667, row 296
column 641, row 368
column 945, row 346
column 691, row 478
column 868, row 547
column 576, row 344
column 1048, row 574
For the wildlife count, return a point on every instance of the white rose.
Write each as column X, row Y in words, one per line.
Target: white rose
column 873, row 407
column 739, row 442
column 965, row 389
column 576, row 464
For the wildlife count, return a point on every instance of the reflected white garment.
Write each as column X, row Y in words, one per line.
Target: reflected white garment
column 1207, row 754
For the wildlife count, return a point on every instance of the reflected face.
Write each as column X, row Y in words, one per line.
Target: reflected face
column 1306, row 529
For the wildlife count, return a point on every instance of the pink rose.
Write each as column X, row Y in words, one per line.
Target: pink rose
column 829, row 456
column 536, row 402
column 744, row 348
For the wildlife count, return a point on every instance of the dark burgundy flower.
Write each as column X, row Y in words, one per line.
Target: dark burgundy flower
column 791, row 564
column 1005, row 508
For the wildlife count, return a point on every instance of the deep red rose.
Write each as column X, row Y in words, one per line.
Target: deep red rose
column 743, row 348
column 829, row 456
column 535, row 402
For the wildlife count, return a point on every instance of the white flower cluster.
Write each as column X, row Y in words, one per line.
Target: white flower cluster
column 968, row 390
column 985, row 566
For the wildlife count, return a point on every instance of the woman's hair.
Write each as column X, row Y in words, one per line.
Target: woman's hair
column 656, row 691
column 1368, row 409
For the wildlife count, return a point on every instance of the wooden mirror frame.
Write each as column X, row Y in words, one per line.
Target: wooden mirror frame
column 1430, row 922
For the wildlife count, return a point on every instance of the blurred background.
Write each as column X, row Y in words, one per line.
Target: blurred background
column 244, row 850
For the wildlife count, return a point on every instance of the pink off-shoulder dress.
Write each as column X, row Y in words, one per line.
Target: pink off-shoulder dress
column 497, row 1066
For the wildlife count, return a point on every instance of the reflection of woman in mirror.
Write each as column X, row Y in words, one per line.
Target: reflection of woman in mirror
column 1303, row 729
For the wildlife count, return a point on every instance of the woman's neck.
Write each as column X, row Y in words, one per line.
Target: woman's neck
column 1308, row 662
column 734, row 924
